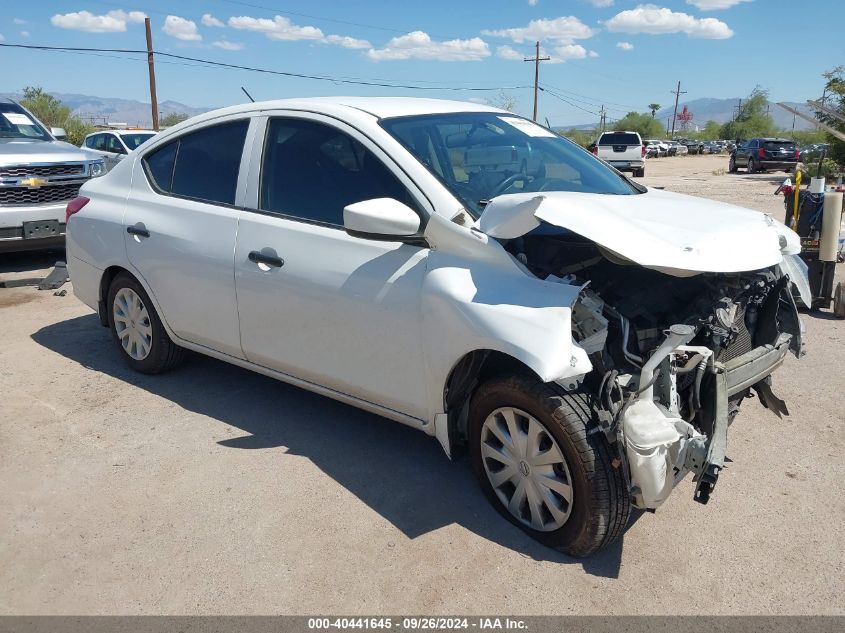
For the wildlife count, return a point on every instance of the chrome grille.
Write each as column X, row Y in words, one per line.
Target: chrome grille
column 38, row 195
column 43, row 171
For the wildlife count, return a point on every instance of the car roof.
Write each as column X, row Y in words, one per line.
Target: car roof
column 379, row 107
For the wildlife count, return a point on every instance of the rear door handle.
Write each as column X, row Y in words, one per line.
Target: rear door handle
column 137, row 230
column 270, row 260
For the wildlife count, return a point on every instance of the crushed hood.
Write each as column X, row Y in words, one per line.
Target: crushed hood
column 670, row 232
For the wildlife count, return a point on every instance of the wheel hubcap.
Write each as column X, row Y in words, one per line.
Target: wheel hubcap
column 526, row 468
column 132, row 324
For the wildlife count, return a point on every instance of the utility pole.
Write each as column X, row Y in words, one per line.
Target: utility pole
column 152, row 67
column 536, row 59
column 677, row 94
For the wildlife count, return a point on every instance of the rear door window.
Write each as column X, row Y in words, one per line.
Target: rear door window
column 619, row 138
column 201, row 165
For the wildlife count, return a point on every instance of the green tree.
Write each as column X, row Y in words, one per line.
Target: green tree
column 712, row 131
column 53, row 113
column 834, row 99
column 173, row 118
column 654, row 107
column 578, row 136
column 647, row 126
column 753, row 119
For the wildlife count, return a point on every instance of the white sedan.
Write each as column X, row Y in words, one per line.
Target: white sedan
column 114, row 145
column 587, row 340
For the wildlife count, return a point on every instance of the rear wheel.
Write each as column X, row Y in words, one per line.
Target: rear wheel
column 639, row 173
column 750, row 168
column 137, row 329
column 839, row 301
column 732, row 165
column 542, row 469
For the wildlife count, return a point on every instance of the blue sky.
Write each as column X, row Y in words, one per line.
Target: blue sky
column 622, row 53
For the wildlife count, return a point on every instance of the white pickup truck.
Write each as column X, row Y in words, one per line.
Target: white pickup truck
column 623, row 150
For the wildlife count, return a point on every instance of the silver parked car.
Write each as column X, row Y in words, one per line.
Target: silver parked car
column 38, row 176
column 114, row 145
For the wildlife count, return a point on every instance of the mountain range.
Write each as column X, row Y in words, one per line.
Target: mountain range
column 100, row 110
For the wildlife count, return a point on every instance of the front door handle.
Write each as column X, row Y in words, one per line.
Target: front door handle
column 270, row 260
column 137, row 230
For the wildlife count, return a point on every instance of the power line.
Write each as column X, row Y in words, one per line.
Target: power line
column 566, row 101
column 594, row 101
column 211, row 63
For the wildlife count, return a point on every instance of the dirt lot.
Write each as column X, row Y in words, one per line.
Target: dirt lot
column 215, row 490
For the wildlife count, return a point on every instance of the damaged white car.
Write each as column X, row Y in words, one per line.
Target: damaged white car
column 458, row 269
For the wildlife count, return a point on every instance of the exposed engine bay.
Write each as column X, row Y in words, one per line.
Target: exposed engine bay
column 673, row 357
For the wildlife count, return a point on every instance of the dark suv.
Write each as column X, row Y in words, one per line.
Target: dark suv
column 760, row 154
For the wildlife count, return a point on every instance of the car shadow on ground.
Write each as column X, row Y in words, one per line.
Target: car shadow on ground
column 34, row 260
column 397, row 471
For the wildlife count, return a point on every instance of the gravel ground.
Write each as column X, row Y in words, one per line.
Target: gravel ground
column 216, row 490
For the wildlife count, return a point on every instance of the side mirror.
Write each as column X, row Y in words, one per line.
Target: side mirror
column 59, row 133
column 380, row 219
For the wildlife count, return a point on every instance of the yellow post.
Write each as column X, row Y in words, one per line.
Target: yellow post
column 794, row 226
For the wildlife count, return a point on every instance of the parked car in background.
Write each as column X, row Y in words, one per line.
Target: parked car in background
column 652, row 150
column 38, row 176
column 624, row 150
column 760, row 154
column 677, row 149
column 582, row 340
column 113, row 145
column 812, row 153
column 662, row 146
column 693, row 147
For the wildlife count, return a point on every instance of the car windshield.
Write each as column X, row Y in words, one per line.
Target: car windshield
column 778, row 145
column 481, row 155
column 134, row 140
column 16, row 123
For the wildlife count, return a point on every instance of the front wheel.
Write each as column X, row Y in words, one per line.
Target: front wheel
column 542, row 469
column 732, row 165
column 137, row 329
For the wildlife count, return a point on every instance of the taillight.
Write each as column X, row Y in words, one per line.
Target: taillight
column 761, row 153
column 75, row 205
column 642, row 147
column 797, row 154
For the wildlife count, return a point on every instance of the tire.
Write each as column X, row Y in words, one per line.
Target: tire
column 839, row 301
column 750, row 167
column 134, row 321
column 732, row 165
column 639, row 173
column 599, row 504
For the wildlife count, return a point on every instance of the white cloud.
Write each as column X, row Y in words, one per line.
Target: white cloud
column 419, row 45
column 713, row 5
column 593, row 54
column 181, row 28
column 532, row 3
column 111, row 22
column 654, row 20
column 625, row 46
column 210, row 20
column 348, row 42
column 281, row 28
column 601, row 3
column 509, row 52
column 563, row 29
column 2, row 39
column 226, row 45
column 560, row 54
column 24, row 33
column 18, row 21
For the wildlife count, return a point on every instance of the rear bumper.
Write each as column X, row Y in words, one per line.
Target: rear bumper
column 777, row 164
column 626, row 165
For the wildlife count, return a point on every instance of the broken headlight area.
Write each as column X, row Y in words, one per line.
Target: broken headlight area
column 673, row 357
